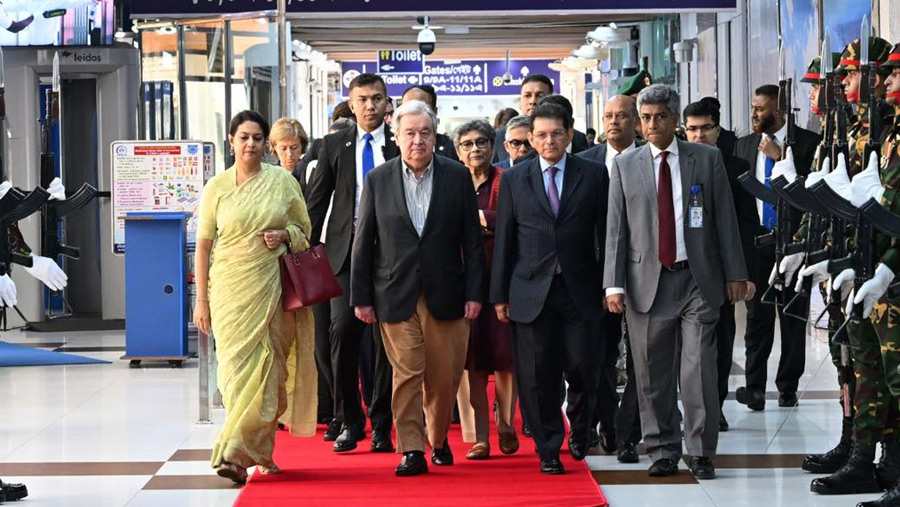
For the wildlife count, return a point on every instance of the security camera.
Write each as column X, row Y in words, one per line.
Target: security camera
column 507, row 77
column 684, row 50
column 427, row 41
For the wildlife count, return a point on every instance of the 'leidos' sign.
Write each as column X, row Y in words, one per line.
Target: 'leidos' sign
column 182, row 8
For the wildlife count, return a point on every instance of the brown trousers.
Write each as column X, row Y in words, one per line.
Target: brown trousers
column 474, row 409
column 428, row 356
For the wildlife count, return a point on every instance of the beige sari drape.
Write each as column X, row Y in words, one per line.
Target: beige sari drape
column 266, row 368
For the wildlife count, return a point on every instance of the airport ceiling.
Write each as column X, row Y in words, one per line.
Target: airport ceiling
column 544, row 36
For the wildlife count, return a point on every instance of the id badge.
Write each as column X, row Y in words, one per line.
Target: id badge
column 696, row 217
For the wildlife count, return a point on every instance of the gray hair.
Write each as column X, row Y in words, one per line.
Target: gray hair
column 415, row 108
column 341, row 124
column 523, row 120
column 660, row 94
column 474, row 126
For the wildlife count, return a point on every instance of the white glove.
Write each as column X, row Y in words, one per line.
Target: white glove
column 4, row 188
column 818, row 272
column 772, row 276
column 817, row 176
column 7, row 291
column 785, row 167
column 867, row 184
column 873, row 289
column 790, row 263
column 57, row 190
column 838, row 180
column 49, row 272
column 844, row 281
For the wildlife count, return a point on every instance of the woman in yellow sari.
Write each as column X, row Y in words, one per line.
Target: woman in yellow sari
column 254, row 212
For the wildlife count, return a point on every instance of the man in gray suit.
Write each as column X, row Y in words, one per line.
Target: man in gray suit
column 673, row 254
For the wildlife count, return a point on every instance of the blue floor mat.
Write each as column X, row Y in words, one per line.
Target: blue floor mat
column 21, row 355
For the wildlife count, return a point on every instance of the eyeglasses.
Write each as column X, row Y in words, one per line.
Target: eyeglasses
column 481, row 143
column 516, row 144
column 706, row 127
column 543, row 137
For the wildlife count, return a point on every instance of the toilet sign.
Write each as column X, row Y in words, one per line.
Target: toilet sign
column 401, row 61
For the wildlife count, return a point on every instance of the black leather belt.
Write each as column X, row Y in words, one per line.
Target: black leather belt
column 678, row 266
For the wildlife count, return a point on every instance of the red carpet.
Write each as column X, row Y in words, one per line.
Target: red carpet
column 314, row 475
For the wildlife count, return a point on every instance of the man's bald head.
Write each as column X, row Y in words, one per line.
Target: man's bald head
column 619, row 117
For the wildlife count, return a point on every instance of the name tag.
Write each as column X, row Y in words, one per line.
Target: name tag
column 696, row 213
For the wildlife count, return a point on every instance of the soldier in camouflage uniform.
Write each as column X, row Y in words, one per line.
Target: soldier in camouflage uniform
column 833, row 460
column 876, row 417
column 886, row 312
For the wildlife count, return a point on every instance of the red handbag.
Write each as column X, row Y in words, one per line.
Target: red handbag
column 307, row 279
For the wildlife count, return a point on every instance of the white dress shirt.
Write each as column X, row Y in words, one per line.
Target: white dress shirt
column 378, row 150
column 611, row 153
column 761, row 166
column 675, row 172
column 561, row 166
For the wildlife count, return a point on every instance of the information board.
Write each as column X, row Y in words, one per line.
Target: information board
column 409, row 61
column 459, row 78
column 155, row 176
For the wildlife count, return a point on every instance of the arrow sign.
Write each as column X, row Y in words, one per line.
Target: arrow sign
column 400, row 61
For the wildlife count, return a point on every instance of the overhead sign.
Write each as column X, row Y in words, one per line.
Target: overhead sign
column 155, row 176
column 401, row 61
column 183, row 8
column 455, row 77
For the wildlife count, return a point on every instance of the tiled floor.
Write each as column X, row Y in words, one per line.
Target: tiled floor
column 109, row 435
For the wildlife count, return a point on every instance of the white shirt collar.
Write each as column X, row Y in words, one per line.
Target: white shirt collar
column 377, row 134
column 780, row 135
column 630, row 147
column 672, row 149
column 561, row 165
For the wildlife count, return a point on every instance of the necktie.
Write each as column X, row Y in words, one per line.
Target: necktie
column 553, row 195
column 666, row 213
column 368, row 158
column 552, row 191
column 768, row 210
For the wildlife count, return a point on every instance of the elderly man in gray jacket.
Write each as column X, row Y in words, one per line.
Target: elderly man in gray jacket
column 673, row 254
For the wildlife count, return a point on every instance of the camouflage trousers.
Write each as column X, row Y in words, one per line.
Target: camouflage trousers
column 877, row 417
column 846, row 374
column 886, row 318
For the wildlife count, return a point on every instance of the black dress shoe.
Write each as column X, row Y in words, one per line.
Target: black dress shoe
column 627, row 453
column 334, row 429
column 593, row 437
column 787, row 399
column 723, row 423
column 578, row 448
column 12, row 492
column 755, row 400
column 412, row 463
column 348, row 438
column 381, row 441
column 608, row 440
column 702, row 468
column 552, row 467
column 663, row 467
column 442, row 456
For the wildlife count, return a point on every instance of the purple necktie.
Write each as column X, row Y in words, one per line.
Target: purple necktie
column 552, row 191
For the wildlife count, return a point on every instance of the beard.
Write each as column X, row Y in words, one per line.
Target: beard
column 765, row 123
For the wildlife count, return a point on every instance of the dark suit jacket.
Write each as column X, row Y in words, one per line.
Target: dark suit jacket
column 726, row 142
column 443, row 146
column 529, row 240
column 579, row 142
column 311, row 154
column 392, row 266
column 805, row 145
column 336, row 174
column 598, row 153
column 745, row 209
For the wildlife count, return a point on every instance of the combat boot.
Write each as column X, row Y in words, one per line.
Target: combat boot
column 833, row 460
column 888, row 469
column 857, row 476
column 890, row 499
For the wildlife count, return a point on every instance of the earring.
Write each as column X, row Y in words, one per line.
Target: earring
column 231, row 151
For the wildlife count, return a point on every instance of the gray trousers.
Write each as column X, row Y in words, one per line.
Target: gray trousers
column 676, row 338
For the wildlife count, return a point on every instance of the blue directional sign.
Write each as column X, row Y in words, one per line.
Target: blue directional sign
column 400, row 61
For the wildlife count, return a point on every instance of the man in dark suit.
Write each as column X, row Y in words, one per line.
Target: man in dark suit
column 417, row 269
column 344, row 160
column 546, row 279
column 673, row 255
column 761, row 149
column 579, row 139
column 701, row 124
column 533, row 88
column 443, row 145
column 342, row 110
column 516, row 142
column 727, row 138
column 619, row 426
